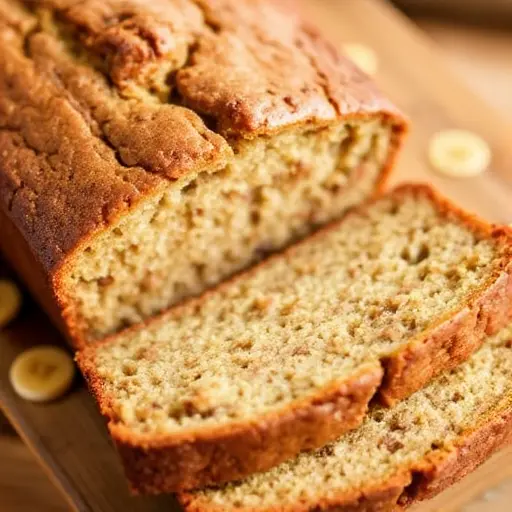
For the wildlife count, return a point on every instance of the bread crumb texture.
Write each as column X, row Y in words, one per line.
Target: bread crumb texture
column 343, row 299
column 389, row 443
column 164, row 145
column 199, row 231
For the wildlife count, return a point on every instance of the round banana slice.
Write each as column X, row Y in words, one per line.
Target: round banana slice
column 362, row 56
column 10, row 302
column 459, row 153
column 42, row 373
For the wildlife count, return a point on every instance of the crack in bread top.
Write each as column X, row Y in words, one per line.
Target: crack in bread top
column 252, row 66
column 75, row 154
column 125, row 96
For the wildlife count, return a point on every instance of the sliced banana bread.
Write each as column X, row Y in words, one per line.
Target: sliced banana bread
column 164, row 145
column 398, row 456
column 286, row 357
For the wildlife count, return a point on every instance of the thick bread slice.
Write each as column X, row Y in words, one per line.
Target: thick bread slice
column 398, row 456
column 164, row 145
column 287, row 356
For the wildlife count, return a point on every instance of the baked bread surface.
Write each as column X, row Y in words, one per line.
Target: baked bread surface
column 150, row 149
column 287, row 356
column 398, row 456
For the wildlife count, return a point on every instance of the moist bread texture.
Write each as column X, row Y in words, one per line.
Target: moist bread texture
column 287, row 356
column 150, row 149
column 398, row 456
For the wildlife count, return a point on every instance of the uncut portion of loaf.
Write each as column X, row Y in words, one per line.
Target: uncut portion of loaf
column 287, row 356
column 400, row 455
column 164, row 145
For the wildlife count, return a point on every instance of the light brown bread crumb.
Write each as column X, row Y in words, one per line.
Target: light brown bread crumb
column 388, row 443
column 370, row 285
column 287, row 356
column 165, row 145
column 200, row 231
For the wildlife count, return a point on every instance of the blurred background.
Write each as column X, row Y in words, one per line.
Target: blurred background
column 475, row 37
column 490, row 12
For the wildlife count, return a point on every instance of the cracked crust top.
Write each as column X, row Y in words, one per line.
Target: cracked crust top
column 116, row 91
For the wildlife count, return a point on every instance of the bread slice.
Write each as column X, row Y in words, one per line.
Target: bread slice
column 287, row 356
column 165, row 145
column 398, row 456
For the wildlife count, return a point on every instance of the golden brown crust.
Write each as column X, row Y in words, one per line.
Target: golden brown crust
column 109, row 120
column 14, row 248
column 421, row 480
column 255, row 77
column 456, row 336
column 443, row 346
column 134, row 40
column 194, row 461
column 441, row 469
column 253, row 65
column 450, row 343
column 374, row 499
column 65, row 170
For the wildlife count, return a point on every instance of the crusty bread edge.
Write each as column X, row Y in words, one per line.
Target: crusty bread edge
column 49, row 280
column 69, row 320
column 420, row 480
column 50, row 288
column 198, row 457
column 450, row 342
column 204, row 456
column 460, row 332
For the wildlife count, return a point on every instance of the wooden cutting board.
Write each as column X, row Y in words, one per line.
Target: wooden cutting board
column 69, row 437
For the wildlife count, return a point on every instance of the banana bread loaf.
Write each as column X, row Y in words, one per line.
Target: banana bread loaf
column 150, row 149
column 398, row 456
column 287, row 356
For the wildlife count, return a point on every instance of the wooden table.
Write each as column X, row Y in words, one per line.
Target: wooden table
column 483, row 59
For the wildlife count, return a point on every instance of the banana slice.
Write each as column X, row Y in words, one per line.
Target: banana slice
column 42, row 373
column 10, row 302
column 362, row 56
column 459, row 153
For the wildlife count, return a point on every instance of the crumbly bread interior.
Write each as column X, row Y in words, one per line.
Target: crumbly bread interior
column 203, row 228
column 318, row 314
column 182, row 142
column 389, row 441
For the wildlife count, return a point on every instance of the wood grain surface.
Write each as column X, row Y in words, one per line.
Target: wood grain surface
column 69, row 438
column 23, row 485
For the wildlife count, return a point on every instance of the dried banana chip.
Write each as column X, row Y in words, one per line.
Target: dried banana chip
column 10, row 302
column 459, row 153
column 362, row 56
column 42, row 373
